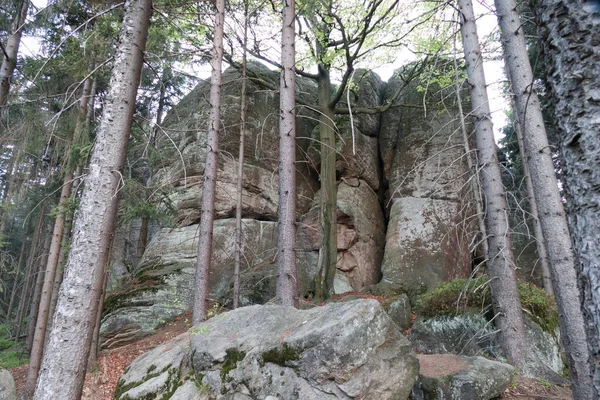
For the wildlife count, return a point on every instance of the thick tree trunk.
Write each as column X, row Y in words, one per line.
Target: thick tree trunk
column 287, row 282
column 93, row 357
column 205, row 240
column 11, row 50
column 39, row 340
column 571, row 30
column 64, row 363
column 501, row 266
column 328, row 200
column 240, row 177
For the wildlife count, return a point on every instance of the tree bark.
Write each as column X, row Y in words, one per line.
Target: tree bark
column 29, row 272
column 501, row 267
column 11, row 50
column 64, row 363
column 240, row 177
column 571, row 32
column 287, row 282
column 37, row 291
column 205, row 240
column 13, row 293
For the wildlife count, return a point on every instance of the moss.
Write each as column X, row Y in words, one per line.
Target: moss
column 462, row 296
column 232, row 357
column 282, row 355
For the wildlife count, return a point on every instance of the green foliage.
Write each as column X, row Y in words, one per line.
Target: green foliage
column 11, row 354
column 232, row 357
column 282, row 355
column 473, row 295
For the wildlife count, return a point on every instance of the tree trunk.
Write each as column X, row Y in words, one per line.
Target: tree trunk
column 500, row 266
column 240, row 177
column 39, row 340
column 571, row 31
column 37, row 291
column 13, row 293
column 533, row 210
column 287, row 282
column 29, row 272
column 205, row 239
column 64, row 363
column 11, row 50
column 93, row 358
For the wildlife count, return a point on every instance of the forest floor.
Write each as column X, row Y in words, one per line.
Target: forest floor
column 100, row 384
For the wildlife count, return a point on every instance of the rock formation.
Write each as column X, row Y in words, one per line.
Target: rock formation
column 404, row 215
column 344, row 350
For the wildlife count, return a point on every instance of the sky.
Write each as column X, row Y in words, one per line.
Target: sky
column 486, row 24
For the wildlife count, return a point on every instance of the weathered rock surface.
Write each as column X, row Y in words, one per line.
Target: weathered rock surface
column 400, row 312
column 425, row 167
column 425, row 244
column 452, row 377
column 472, row 335
column 7, row 386
column 340, row 351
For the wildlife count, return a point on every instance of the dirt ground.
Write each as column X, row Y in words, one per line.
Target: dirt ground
column 100, row 384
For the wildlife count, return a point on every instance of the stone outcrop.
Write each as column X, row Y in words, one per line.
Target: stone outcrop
column 401, row 179
column 425, row 168
column 340, row 351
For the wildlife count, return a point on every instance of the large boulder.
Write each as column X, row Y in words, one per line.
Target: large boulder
column 8, row 390
column 340, row 351
column 448, row 376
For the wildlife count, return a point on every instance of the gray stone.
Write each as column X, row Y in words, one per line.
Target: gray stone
column 400, row 312
column 472, row 335
column 339, row 351
column 7, row 386
column 425, row 245
column 448, row 376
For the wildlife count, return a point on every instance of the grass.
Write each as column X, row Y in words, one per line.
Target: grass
column 11, row 354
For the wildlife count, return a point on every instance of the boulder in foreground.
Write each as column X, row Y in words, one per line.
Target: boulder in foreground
column 340, row 351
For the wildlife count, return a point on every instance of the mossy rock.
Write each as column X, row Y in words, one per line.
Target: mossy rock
column 462, row 296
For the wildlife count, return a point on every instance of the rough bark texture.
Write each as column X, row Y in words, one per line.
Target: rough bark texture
column 571, row 30
column 64, row 364
column 501, row 267
column 240, row 177
column 210, row 172
column 9, row 59
column 287, row 281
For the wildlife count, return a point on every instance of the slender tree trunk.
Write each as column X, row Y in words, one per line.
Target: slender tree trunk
column 11, row 50
column 41, row 260
column 64, row 363
column 482, row 245
column 16, row 281
column 240, row 177
column 501, row 267
column 537, row 228
column 205, row 240
column 287, row 282
column 93, row 358
column 29, row 272
column 571, row 31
